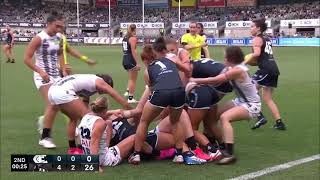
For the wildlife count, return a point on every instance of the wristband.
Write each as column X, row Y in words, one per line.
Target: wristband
column 84, row 58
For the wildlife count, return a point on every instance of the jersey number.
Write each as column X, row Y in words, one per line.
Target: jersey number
column 115, row 127
column 268, row 48
column 162, row 66
column 125, row 46
column 85, row 133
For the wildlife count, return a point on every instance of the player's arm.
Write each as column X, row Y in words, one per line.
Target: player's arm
column 34, row 44
column 75, row 53
column 257, row 43
column 105, row 88
column 205, row 48
column 185, row 42
column 221, row 78
column 133, row 43
column 185, row 62
column 108, row 132
column 97, row 131
column 133, row 113
column 12, row 39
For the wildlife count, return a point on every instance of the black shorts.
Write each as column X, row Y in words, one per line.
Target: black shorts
column 174, row 98
column 224, row 88
column 202, row 97
column 9, row 44
column 128, row 62
column 264, row 78
column 152, row 139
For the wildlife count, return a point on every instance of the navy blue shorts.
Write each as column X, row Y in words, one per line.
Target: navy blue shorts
column 202, row 97
column 264, row 78
column 174, row 98
column 152, row 139
column 224, row 88
column 128, row 62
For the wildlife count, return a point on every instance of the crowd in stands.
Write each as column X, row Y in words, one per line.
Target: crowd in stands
column 35, row 12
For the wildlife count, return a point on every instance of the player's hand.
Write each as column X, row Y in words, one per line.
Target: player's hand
column 204, row 44
column 67, row 70
column 190, row 86
column 91, row 62
column 44, row 76
column 137, row 68
column 100, row 169
column 117, row 112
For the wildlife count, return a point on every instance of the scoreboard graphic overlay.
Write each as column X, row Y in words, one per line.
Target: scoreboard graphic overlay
column 54, row 163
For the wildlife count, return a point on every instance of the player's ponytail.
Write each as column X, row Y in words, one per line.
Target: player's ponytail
column 159, row 45
column 261, row 23
column 99, row 105
column 131, row 30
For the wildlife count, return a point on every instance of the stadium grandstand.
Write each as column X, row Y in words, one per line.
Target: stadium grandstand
column 221, row 18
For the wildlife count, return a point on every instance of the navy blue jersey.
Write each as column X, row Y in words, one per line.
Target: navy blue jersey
column 206, row 68
column 266, row 60
column 164, row 75
column 8, row 38
column 210, row 68
column 121, row 129
column 126, row 47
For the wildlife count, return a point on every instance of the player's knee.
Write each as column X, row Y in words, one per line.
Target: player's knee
column 224, row 119
column 195, row 126
column 267, row 99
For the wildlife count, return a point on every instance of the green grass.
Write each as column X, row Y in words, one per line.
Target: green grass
column 297, row 97
column 308, row 171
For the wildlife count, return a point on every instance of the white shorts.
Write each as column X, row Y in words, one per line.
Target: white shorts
column 58, row 95
column 110, row 156
column 38, row 81
column 253, row 108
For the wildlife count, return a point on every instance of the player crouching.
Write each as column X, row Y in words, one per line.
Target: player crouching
column 96, row 133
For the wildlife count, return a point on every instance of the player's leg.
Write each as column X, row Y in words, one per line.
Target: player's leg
column 211, row 126
column 267, row 98
column 69, row 110
column 11, row 54
column 176, row 130
column 113, row 156
column 149, row 113
column 49, row 116
column 213, row 132
column 261, row 78
column 6, row 53
column 133, row 75
column 234, row 114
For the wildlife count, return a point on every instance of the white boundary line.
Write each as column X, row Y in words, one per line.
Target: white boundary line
column 277, row 168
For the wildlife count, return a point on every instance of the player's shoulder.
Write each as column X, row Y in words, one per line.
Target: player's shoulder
column 89, row 118
column 199, row 37
column 42, row 35
column 186, row 35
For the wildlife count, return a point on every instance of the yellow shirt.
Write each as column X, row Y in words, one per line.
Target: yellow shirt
column 195, row 40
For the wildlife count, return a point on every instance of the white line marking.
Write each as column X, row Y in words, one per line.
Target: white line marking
column 277, row 168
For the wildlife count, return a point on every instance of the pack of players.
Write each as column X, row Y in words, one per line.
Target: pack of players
column 179, row 95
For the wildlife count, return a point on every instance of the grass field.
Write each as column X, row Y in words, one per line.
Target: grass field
column 297, row 97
